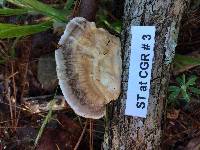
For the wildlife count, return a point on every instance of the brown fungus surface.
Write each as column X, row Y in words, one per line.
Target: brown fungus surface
column 88, row 67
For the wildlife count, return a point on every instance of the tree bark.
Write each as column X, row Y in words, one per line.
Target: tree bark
column 125, row 132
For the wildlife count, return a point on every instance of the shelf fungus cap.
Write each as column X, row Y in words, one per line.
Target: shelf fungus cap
column 89, row 67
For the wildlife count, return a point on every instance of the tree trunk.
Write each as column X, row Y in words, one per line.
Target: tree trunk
column 128, row 133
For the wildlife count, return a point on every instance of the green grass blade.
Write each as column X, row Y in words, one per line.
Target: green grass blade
column 12, row 12
column 47, row 118
column 17, row 3
column 45, row 9
column 4, row 26
column 10, row 30
column 115, row 26
column 68, row 6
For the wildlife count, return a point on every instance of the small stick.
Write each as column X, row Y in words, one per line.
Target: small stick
column 76, row 7
column 80, row 138
column 91, row 134
column 14, row 94
column 9, row 100
column 23, row 81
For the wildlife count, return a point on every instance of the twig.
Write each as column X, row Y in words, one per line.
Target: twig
column 11, row 76
column 76, row 7
column 25, row 109
column 91, row 135
column 17, row 119
column 7, row 91
column 14, row 94
column 80, row 138
column 57, row 147
column 42, row 103
column 11, row 127
column 23, row 81
column 2, row 48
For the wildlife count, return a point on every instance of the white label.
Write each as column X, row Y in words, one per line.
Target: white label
column 142, row 45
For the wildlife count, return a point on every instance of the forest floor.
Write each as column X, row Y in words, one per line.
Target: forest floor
column 28, row 83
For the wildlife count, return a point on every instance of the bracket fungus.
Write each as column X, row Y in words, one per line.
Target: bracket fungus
column 89, row 65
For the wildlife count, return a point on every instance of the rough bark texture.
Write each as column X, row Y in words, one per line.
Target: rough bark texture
column 128, row 133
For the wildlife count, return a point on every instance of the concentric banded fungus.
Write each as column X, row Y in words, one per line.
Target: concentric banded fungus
column 88, row 67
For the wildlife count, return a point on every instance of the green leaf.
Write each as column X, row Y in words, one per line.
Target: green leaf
column 180, row 80
column 195, row 90
column 174, row 94
column 173, row 88
column 183, row 87
column 10, row 30
column 191, row 81
column 185, row 95
column 11, row 12
column 44, row 9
